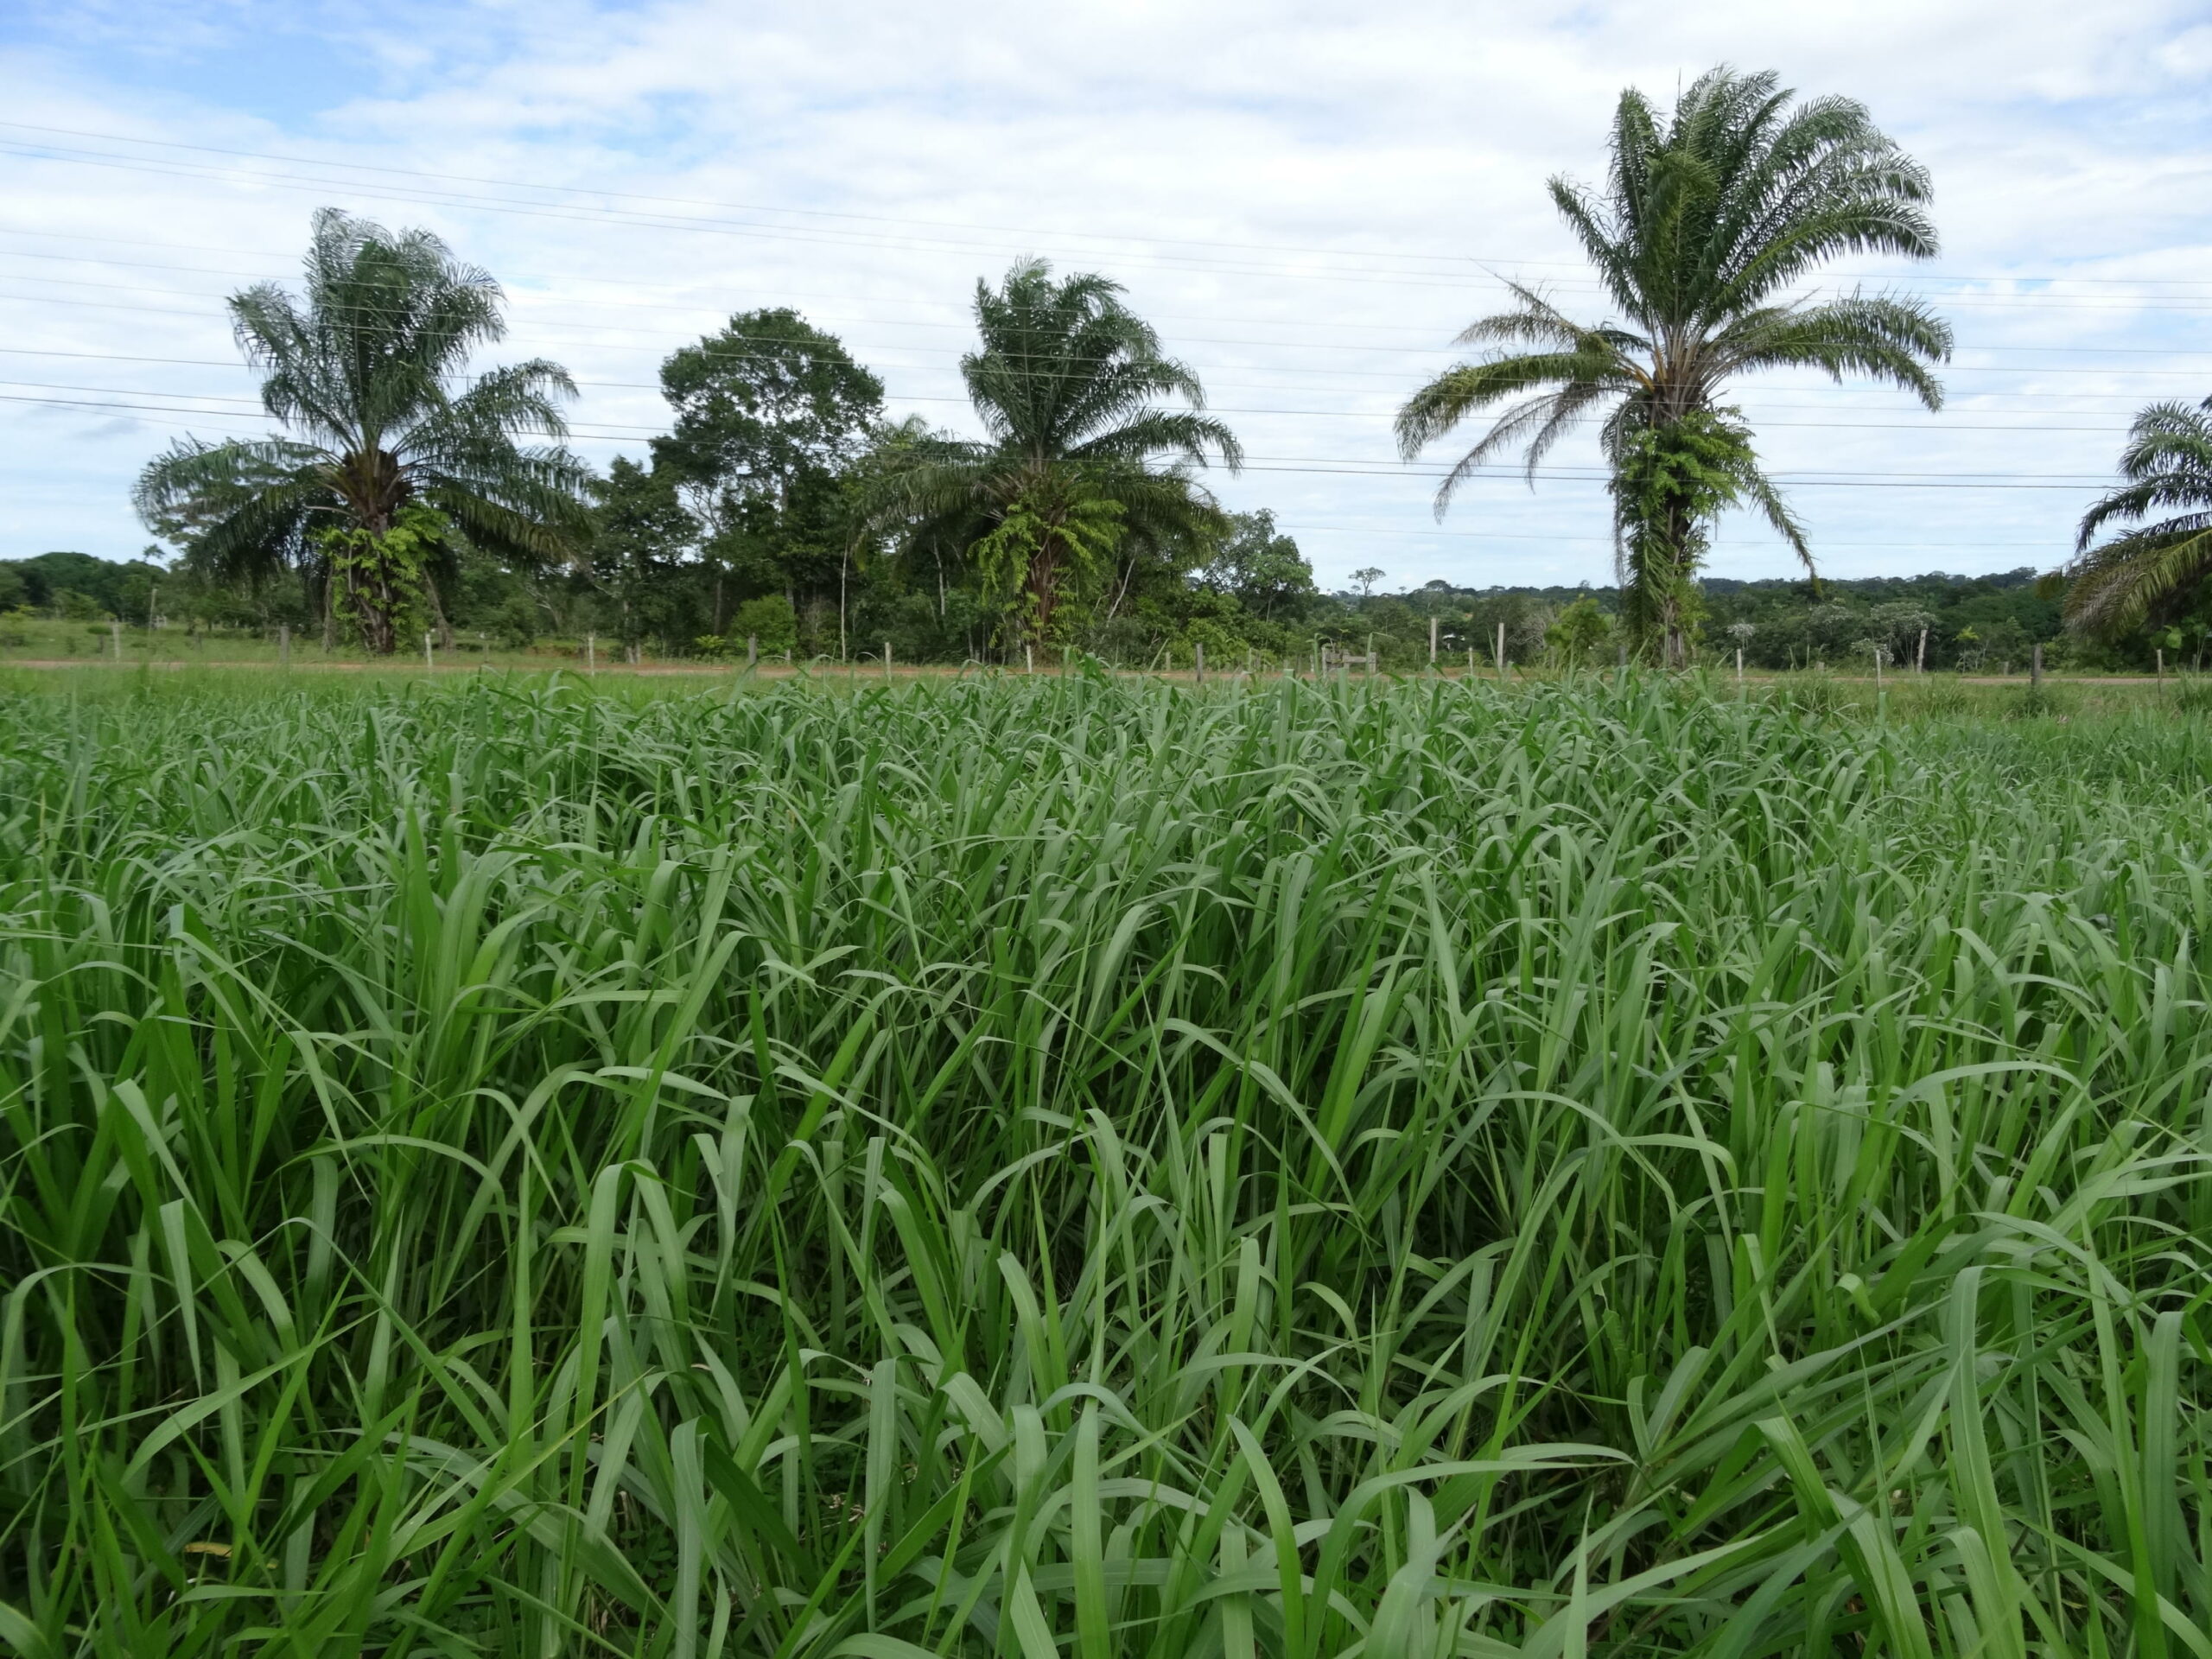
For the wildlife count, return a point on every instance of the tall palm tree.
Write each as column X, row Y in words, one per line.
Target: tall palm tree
column 2168, row 464
column 383, row 461
column 1707, row 218
column 1065, row 381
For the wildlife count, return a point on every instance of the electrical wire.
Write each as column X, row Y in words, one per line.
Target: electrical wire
column 1116, row 238
column 448, row 198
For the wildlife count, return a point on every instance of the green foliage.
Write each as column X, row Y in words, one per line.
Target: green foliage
column 514, row 624
column 1079, row 461
column 2141, row 574
column 47, row 582
column 1580, row 632
column 1054, row 543
column 358, row 372
column 1072, row 1167
column 1670, row 481
column 1708, row 218
column 2047, row 702
column 769, row 414
column 1260, row 568
column 73, row 606
column 382, row 576
column 770, row 619
column 641, row 538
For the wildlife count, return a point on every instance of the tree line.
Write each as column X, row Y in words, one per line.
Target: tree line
column 785, row 513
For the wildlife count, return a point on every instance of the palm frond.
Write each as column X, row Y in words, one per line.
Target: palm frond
column 1459, row 392
column 1877, row 335
column 1759, row 489
column 2113, row 588
column 242, row 507
column 360, row 367
column 1701, row 218
column 2168, row 463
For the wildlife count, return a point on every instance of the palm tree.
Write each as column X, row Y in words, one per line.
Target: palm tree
column 1705, row 220
column 1064, row 381
column 2168, row 464
column 382, row 464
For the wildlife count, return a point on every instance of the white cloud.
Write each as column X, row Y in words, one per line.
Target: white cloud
column 1305, row 198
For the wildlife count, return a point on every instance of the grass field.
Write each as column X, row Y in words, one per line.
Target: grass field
column 1069, row 1166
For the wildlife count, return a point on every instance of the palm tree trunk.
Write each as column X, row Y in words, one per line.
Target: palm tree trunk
column 438, row 612
column 1122, row 592
column 1043, row 585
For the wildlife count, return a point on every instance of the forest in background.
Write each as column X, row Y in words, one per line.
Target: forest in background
column 1255, row 593
column 407, row 495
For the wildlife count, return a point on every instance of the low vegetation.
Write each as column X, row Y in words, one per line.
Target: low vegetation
column 1069, row 1166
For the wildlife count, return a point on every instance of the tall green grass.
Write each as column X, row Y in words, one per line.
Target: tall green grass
column 1071, row 1167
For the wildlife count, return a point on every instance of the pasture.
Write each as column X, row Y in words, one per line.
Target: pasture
column 1074, row 1165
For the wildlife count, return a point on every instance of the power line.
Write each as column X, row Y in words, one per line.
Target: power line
column 588, row 334
column 242, row 368
column 255, row 403
column 970, row 228
column 529, row 299
column 570, row 212
column 1344, row 465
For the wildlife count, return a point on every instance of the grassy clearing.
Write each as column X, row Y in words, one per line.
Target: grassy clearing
column 1072, row 1166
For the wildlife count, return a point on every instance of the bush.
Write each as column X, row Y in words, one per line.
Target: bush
column 515, row 624
column 771, row 620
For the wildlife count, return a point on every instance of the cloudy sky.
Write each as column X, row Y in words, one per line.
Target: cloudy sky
column 1309, row 201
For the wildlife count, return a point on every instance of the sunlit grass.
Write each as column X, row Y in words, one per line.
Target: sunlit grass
column 1069, row 1166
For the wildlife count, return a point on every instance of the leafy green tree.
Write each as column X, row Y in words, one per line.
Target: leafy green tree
column 1070, row 477
column 1260, row 568
column 1579, row 632
column 641, row 535
column 2116, row 585
column 769, row 412
column 2003, row 643
column 384, row 462
column 1707, row 218
column 770, row 620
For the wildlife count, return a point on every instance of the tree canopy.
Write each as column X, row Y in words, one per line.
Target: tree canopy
column 1708, row 217
column 389, row 453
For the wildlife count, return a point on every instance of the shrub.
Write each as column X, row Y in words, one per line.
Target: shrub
column 770, row 619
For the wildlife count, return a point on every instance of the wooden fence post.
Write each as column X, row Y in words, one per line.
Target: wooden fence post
column 2035, row 665
column 283, row 644
column 1431, row 642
